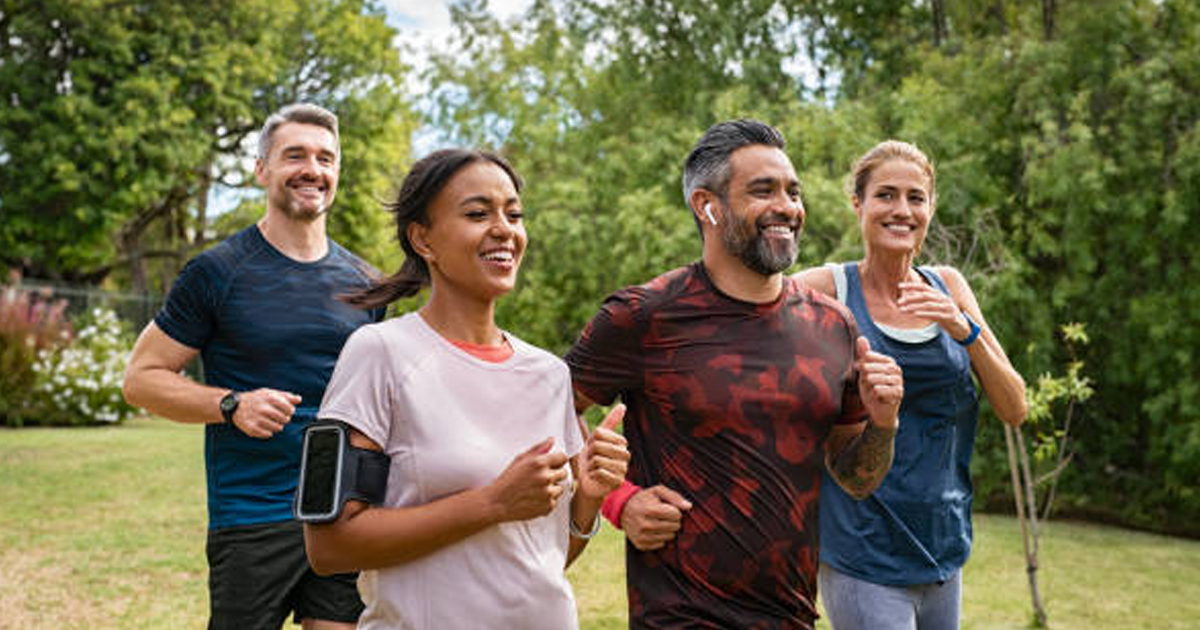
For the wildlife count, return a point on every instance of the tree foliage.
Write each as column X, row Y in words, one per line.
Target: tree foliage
column 121, row 118
column 1065, row 136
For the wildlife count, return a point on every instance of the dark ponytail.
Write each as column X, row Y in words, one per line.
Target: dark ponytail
column 424, row 181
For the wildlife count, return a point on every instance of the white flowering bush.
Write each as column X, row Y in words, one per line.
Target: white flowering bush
column 80, row 383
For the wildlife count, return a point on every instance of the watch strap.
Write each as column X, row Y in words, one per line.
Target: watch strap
column 971, row 336
column 228, row 405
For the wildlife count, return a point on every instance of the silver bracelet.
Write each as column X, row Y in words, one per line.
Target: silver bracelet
column 584, row 535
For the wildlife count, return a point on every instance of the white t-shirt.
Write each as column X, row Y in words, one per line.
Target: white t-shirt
column 451, row 422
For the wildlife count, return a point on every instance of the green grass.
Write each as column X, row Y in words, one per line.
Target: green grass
column 103, row 528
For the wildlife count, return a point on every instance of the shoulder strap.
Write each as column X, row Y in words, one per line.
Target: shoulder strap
column 839, row 280
column 933, row 278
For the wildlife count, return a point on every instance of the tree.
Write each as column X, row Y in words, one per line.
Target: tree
column 1051, row 452
column 125, row 115
column 602, row 136
column 1066, row 141
column 1065, row 137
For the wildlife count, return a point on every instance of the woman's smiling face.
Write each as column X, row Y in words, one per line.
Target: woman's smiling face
column 895, row 209
column 476, row 237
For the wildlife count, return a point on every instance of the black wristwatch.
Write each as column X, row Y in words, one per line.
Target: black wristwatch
column 229, row 405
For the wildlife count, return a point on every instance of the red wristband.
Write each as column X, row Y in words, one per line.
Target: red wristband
column 614, row 503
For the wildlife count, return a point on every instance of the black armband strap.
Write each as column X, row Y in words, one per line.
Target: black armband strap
column 332, row 471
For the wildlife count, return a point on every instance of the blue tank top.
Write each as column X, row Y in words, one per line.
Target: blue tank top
column 916, row 528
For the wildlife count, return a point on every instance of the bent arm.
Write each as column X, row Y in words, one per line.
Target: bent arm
column 584, row 512
column 154, row 383
column 598, row 469
column 371, row 537
column 1002, row 384
column 859, row 456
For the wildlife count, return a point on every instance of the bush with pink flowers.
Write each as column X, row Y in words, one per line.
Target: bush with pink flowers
column 30, row 323
column 55, row 372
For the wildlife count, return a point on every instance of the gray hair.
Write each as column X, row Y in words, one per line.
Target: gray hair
column 304, row 113
column 707, row 166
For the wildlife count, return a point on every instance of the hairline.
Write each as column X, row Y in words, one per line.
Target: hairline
column 716, row 180
column 307, row 124
column 302, row 114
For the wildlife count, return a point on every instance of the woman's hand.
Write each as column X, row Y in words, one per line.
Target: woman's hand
column 921, row 300
column 532, row 483
column 605, row 457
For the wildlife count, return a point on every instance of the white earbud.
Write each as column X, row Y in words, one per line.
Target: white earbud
column 708, row 212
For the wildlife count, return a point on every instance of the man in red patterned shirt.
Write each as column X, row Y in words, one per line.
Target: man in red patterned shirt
column 741, row 386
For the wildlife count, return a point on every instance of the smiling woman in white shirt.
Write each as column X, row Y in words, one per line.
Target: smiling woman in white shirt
column 493, row 485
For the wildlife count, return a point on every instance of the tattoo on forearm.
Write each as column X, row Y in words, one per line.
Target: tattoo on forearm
column 861, row 466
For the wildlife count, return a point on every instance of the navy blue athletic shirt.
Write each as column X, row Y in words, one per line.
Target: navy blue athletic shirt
column 916, row 527
column 261, row 319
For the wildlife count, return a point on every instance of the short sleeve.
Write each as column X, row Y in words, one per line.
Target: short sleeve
column 189, row 315
column 853, row 410
column 360, row 391
column 607, row 357
column 572, row 433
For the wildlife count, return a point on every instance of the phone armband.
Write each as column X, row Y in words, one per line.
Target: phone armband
column 333, row 471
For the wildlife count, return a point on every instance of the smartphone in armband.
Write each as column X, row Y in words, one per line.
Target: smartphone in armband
column 333, row 471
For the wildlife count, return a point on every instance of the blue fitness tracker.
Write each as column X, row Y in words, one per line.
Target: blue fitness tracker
column 973, row 335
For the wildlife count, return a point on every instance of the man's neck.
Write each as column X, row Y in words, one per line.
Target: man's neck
column 304, row 241
column 738, row 281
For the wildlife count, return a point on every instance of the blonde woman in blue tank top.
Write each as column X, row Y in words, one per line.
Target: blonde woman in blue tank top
column 894, row 560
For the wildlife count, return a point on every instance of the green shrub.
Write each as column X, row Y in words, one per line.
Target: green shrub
column 30, row 324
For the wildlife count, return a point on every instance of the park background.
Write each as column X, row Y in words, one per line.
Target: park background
column 1064, row 132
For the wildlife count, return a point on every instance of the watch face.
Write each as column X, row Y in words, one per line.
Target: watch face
column 229, row 405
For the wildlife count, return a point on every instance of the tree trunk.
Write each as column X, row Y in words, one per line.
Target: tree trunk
column 201, row 233
column 129, row 239
column 1063, row 458
column 1048, row 8
column 131, row 245
column 939, row 22
column 1026, row 504
column 997, row 12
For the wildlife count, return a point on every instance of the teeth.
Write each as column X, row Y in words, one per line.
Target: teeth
column 500, row 256
column 779, row 229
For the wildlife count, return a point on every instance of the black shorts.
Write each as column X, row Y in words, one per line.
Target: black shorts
column 257, row 574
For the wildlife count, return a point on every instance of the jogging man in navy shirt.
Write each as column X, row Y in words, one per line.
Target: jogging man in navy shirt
column 262, row 310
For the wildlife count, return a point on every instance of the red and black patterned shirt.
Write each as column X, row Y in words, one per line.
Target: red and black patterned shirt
column 729, row 404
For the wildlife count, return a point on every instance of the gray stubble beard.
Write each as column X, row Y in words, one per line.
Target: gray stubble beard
column 755, row 250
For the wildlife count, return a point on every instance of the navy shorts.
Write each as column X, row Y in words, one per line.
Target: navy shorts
column 258, row 574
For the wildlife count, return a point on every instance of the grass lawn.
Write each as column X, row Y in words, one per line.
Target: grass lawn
column 103, row 528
